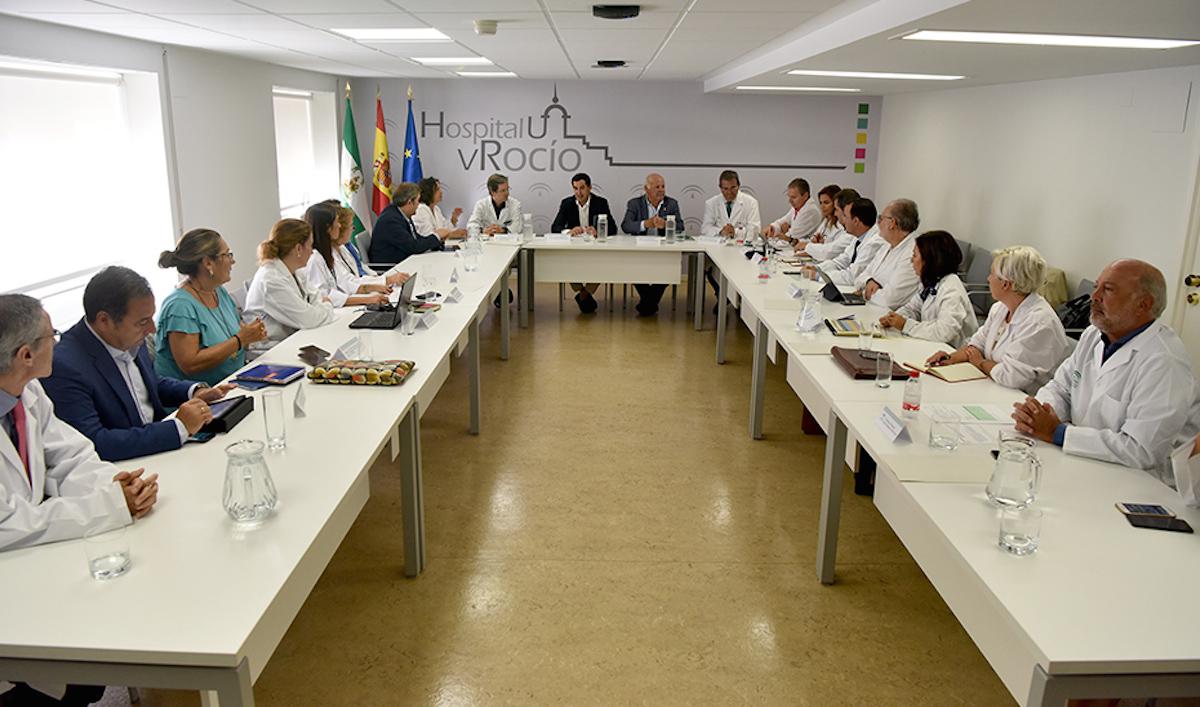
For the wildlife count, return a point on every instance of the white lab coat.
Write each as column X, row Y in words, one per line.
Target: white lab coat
column 484, row 215
column 428, row 219
column 946, row 316
column 892, row 269
column 1133, row 409
column 77, row 487
column 836, row 242
column 744, row 213
column 802, row 222
column 321, row 279
column 284, row 303
column 844, row 272
column 1029, row 349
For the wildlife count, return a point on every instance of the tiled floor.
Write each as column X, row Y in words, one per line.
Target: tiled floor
column 615, row 537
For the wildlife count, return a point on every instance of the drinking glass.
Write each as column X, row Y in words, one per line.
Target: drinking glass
column 1020, row 530
column 273, row 417
column 107, row 552
column 866, row 337
column 366, row 346
column 943, row 432
column 408, row 323
column 883, row 369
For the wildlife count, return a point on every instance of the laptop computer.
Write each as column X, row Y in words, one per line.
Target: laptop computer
column 390, row 316
column 833, row 294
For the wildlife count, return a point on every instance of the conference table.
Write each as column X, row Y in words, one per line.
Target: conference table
column 206, row 603
column 1101, row 610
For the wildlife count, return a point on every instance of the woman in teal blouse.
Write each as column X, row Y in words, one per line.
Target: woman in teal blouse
column 200, row 335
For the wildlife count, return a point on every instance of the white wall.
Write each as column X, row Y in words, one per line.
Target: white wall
column 218, row 119
column 1086, row 169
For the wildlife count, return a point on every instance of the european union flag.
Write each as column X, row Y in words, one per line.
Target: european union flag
column 411, row 166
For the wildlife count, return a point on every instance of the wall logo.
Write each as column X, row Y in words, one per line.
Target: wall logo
column 491, row 146
column 540, row 189
column 693, row 191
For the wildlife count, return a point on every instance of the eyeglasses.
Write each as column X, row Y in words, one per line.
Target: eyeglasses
column 226, row 254
column 54, row 334
column 883, row 216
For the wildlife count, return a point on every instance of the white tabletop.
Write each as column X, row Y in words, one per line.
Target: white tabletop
column 614, row 243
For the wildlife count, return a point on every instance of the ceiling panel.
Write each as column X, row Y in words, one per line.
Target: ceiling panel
column 671, row 6
column 239, row 24
column 661, row 21
column 289, row 7
column 350, row 20
column 39, row 6
column 464, row 21
column 106, row 22
column 484, row 8
column 777, row 22
column 155, row 7
column 745, row 6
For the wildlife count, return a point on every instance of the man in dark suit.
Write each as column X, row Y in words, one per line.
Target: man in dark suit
column 578, row 214
column 647, row 216
column 394, row 237
column 103, row 383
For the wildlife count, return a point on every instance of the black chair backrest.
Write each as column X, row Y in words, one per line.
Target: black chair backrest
column 968, row 256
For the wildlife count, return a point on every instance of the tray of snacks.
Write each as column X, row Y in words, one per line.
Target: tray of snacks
column 355, row 372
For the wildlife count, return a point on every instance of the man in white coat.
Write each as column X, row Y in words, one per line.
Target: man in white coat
column 730, row 209
column 53, row 486
column 497, row 212
column 889, row 280
column 1127, row 394
column 852, row 262
column 801, row 220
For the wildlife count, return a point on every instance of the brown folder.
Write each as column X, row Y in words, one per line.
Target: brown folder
column 859, row 366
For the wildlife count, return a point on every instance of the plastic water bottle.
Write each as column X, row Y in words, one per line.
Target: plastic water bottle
column 670, row 229
column 764, row 270
column 602, row 228
column 527, row 229
column 912, row 394
column 472, row 251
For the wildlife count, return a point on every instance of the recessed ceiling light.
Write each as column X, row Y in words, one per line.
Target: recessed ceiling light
column 394, row 34
column 486, row 74
column 1053, row 40
column 454, row 61
column 875, row 75
column 798, row 88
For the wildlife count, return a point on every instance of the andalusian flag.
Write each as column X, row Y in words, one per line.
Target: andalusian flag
column 354, row 196
column 381, row 192
column 410, row 167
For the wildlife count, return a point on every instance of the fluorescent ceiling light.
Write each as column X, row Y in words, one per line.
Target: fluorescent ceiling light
column 394, row 34
column 797, row 88
column 874, row 75
column 1053, row 40
column 454, row 61
column 486, row 74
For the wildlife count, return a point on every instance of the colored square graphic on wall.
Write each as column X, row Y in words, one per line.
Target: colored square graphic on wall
column 861, row 139
column 863, row 109
column 859, row 167
column 860, row 153
column 862, row 123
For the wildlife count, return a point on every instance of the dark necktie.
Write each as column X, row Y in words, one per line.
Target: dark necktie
column 854, row 255
column 728, row 209
column 19, row 435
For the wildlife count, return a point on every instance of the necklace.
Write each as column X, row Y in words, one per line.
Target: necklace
column 202, row 295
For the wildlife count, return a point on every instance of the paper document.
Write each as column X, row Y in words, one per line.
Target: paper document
column 978, row 413
column 953, row 373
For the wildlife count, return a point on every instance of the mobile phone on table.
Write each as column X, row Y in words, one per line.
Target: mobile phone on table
column 1177, row 525
column 201, row 437
column 1145, row 509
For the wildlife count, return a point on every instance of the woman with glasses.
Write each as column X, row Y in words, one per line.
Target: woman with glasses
column 200, row 336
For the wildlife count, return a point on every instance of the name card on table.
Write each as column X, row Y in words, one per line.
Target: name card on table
column 455, row 295
column 795, row 291
column 892, row 426
column 298, row 403
column 454, row 276
column 349, row 350
column 426, row 320
column 558, row 238
column 712, row 240
column 756, row 258
column 507, row 238
column 649, row 241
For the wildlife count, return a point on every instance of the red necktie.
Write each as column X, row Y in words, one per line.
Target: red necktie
column 18, row 414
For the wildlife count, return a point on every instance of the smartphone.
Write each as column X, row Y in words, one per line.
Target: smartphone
column 1145, row 509
column 313, row 355
column 201, row 437
column 1177, row 525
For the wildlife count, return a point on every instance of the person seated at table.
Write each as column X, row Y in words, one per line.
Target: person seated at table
column 200, row 336
column 889, row 280
column 941, row 310
column 497, row 212
column 1127, row 394
column 727, row 212
column 104, row 385
column 277, row 294
column 330, row 269
column 801, row 220
column 429, row 217
column 1022, row 342
column 395, row 237
column 861, row 224
column 646, row 215
column 580, row 214
column 831, row 238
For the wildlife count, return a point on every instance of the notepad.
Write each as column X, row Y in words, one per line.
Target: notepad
column 271, row 374
column 847, row 327
column 953, row 373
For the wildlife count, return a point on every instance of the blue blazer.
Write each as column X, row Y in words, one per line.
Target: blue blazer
column 637, row 211
column 393, row 239
column 90, row 394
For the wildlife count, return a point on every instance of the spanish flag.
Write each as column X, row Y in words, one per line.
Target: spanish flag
column 381, row 191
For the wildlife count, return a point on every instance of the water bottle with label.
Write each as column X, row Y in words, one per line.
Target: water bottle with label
column 912, row 395
column 527, row 226
column 602, row 228
column 670, row 229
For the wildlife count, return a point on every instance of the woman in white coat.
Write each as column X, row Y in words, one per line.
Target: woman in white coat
column 429, row 217
column 331, row 269
column 277, row 294
column 941, row 311
column 1022, row 342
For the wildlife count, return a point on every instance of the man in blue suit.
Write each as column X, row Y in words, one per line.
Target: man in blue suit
column 104, row 384
column 395, row 237
column 647, row 216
